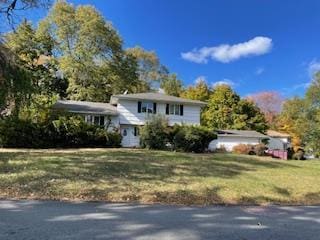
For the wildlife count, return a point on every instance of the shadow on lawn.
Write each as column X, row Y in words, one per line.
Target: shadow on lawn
column 46, row 174
column 136, row 165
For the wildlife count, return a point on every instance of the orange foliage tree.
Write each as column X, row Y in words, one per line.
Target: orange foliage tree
column 270, row 103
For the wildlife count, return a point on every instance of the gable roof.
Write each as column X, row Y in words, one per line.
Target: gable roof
column 273, row 133
column 86, row 107
column 152, row 96
column 240, row 133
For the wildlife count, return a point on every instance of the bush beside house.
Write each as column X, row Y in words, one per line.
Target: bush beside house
column 191, row 138
column 258, row 149
column 156, row 134
column 65, row 131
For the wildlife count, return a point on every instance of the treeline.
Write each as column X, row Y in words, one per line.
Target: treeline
column 300, row 116
column 74, row 53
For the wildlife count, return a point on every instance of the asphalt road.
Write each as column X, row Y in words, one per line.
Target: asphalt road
column 60, row 220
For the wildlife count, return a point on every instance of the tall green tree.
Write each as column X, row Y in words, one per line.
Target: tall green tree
column 226, row 110
column 89, row 52
column 150, row 71
column 15, row 79
column 311, row 137
column 34, row 51
column 172, row 85
column 200, row 91
column 15, row 82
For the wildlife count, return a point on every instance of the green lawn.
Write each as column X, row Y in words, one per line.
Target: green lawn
column 157, row 176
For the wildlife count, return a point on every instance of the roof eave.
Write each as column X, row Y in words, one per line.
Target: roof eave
column 231, row 135
column 95, row 113
column 114, row 100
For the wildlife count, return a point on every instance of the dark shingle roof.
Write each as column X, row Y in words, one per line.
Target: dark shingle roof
column 240, row 133
column 155, row 97
column 86, row 107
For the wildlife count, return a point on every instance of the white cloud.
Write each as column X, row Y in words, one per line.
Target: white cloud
column 313, row 67
column 296, row 89
column 226, row 53
column 200, row 79
column 301, row 85
column 224, row 82
column 259, row 71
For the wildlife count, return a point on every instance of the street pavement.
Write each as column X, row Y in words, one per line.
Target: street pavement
column 47, row 220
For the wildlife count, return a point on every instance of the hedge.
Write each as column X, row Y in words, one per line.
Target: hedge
column 65, row 131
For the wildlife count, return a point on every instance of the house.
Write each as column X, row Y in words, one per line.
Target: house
column 126, row 112
column 278, row 140
column 229, row 138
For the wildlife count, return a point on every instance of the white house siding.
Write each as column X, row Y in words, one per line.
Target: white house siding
column 114, row 122
column 130, row 140
column 128, row 114
column 278, row 143
column 229, row 142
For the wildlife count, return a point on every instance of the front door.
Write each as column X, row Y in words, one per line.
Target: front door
column 130, row 136
column 125, row 132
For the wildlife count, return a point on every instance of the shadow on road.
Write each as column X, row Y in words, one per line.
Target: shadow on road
column 60, row 220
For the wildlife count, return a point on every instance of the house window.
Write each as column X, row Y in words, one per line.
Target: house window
column 147, row 107
column 136, row 131
column 174, row 109
column 89, row 119
column 96, row 120
column 124, row 133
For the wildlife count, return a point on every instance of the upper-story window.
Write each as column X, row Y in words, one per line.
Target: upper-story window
column 174, row 109
column 147, row 107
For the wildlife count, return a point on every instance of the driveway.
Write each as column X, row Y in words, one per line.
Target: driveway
column 61, row 220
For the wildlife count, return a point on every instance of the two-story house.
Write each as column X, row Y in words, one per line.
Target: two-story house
column 127, row 112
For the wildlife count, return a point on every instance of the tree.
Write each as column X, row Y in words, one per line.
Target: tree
column 313, row 92
column 249, row 117
column 201, row 91
column 150, row 70
column 311, row 137
column 15, row 82
column 34, row 51
column 8, row 8
column 226, row 110
column 270, row 103
column 172, row 85
column 89, row 52
column 292, row 120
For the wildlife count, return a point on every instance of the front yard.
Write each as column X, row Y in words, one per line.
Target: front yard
column 157, row 176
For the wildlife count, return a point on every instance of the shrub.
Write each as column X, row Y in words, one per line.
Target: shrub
column 243, row 149
column 290, row 152
column 191, row 138
column 19, row 133
column 260, row 149
column 298, row 155
column 155, row 133
column 66, row 131
column 221, row 149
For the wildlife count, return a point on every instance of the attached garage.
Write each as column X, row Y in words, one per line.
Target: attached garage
column 229, row 138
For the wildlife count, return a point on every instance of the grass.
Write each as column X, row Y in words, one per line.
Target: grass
column 157, row 176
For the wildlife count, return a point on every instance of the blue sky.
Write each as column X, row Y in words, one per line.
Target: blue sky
column 255, row 45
